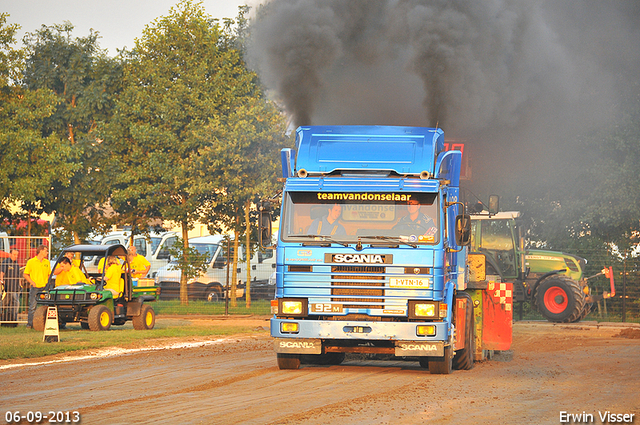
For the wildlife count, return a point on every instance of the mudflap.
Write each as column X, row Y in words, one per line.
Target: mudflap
column 133, row 307
column 493, row 318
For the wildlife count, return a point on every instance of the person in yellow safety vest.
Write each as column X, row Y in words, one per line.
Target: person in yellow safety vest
column 74, row 263
column 140, row 266
column 36, row 273
column 113, row 277
column 69, row 274
column 328, row 225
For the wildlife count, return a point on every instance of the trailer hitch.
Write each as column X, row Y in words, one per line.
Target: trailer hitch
column 607, row 272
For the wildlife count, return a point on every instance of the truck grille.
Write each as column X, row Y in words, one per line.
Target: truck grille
column 349, row 280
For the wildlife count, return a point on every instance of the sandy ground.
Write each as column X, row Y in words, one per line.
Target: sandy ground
column 580, row 369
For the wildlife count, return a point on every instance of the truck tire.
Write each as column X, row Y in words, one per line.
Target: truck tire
column 39, row 317
column 100, row 318
column 444, row 365
column 463, row 359
column 559, row 299
column 288, row 361
column 84, row 325
column 146, row 320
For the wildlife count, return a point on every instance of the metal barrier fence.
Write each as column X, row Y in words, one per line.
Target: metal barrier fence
column 15, row 290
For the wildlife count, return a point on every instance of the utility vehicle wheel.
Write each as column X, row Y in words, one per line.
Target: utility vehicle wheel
column 424, row 362
column 100, row 318
column 39, row 317
column 463, row 359
column 559, row 299
column 84, row 325
column 288, row 361
column 444, row 365
column 146, row 320
column 212, row 295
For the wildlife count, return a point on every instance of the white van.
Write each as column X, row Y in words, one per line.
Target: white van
column 210, row 285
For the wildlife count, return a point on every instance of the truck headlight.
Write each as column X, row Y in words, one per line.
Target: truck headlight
column 423, row 310
column 292, row 307
column 425, row 330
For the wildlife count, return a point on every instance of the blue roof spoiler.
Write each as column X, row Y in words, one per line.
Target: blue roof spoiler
column 403, row 150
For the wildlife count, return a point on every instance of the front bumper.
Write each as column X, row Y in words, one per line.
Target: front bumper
column 312, row 335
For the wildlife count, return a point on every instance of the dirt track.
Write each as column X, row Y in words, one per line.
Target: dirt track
column 550, row 369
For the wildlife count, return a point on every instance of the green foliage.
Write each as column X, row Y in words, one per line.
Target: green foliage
column 31, row 163
column 85, row 82
column 192, row 128
column 191, row 263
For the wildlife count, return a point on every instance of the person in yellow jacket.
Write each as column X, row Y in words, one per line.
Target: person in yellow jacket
column 140, row 266
column 36, row 274
column 69, row 274
column 113, row 277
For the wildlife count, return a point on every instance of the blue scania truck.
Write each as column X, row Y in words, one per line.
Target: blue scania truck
column 371, row 253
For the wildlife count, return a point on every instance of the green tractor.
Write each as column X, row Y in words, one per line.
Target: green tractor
column 552, row 281
column 93, row 306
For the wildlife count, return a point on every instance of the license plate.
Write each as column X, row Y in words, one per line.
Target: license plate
column 410, row 282
column 326, row 308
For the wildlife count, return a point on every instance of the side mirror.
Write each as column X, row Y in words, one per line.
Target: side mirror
column 219, row 262
column 494, row 201
column 264, row 223
column 463, row 230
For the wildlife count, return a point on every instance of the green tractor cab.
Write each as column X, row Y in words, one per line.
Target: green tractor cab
column 91, row 304
column 552, row 281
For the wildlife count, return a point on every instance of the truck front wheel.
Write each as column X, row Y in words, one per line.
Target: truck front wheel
column 444, row 365
column 288, row 361
column 146, row 320
column 463, row 359
column 559, row 299
column 100, row 318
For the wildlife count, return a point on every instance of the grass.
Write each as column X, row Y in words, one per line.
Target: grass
column 20, row 342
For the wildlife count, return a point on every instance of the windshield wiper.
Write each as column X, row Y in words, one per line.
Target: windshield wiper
column 321, row 237
column 392, row 239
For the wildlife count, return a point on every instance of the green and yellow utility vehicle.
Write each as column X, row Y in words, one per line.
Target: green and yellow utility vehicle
column 93, row 306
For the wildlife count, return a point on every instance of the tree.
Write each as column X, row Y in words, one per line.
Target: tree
column 85, row 82
column 31, row 162
column 186, row 89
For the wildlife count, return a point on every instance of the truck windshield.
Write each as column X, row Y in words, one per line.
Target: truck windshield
column 371, row 217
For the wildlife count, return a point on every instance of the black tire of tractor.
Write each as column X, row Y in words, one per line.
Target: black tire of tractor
column 84, row 325
column 146, row 320
column 559, row 299
column 585, row 311
column 288, row 361
column 463, row 359
column 100, row 318
column 39, row 318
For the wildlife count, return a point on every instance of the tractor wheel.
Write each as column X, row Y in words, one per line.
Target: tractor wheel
column 84, row 325
column 146, row 320
column 444, row 365
column 559, row 299
column 39, row 318
column 100, row 318
column 463, row 359
column 585, row 311
column 288, row 361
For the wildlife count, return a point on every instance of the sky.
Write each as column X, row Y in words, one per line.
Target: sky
column 119, row 22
